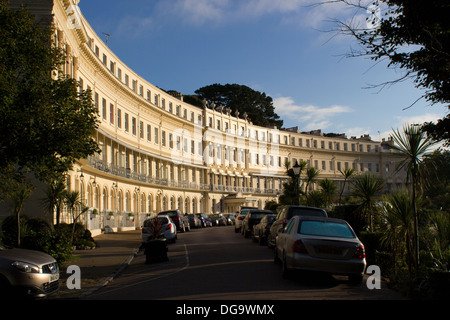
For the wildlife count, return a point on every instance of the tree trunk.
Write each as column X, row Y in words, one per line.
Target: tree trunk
column 416, row 229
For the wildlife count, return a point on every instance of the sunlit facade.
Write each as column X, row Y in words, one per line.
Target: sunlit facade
column 160, row 153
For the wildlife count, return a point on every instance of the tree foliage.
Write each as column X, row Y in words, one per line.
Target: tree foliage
column 258, row 106
column 46, row 121
column 413, row 35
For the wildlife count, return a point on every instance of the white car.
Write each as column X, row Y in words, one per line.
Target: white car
column 169, row 229
column 240, row 218
column 320, row 244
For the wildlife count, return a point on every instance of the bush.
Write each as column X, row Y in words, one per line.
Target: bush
column 38, row 234
column 55, row 242
column 9, row 230
column 351, row 214
column 372, row 244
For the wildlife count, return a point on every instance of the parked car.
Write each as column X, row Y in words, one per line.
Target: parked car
column 180, row 220
column 230, row 218
column 169, row 229
column 262, row 229
column 206, row 221
column 218, row 220
column 194, row 221
column 27, row 273
column 240, row 217
column 252, row 218
column 285, row 213
column 320, row 244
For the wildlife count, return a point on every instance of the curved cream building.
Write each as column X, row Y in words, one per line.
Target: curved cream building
column 160, row 153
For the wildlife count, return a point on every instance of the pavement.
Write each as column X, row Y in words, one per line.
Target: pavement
column 99, row 266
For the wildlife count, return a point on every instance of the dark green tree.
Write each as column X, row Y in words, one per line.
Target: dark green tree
column 436, row 180
column 258, row 106
column 46, row 120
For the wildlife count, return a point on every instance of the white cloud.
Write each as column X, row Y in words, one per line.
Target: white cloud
column 398, row 123
column 418, row 119
column 199, row 12
column 301, row 13
column 263, row 7
column 133, row 26
column 309, row 116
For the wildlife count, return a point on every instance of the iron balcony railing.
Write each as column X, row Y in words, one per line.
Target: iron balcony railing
column 127, row 173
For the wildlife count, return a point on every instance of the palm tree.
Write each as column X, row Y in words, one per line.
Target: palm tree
column 297, row 170
column 413, row 144
column 347, row 173
column 398, row 228
column 54, row 199
column 329, row 189
column 366, row 187
column 72, row 201
column 311, row 175
column 292, row 190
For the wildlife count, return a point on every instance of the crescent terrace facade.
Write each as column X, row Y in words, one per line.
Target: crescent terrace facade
column 160, row 153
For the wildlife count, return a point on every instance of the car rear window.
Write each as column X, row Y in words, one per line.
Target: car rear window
column 308, row 212
column 327, row 229
column 162, row 219
column 169, row 213
column 258, row 215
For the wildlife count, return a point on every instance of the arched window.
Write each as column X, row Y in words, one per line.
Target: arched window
column 105, row 199
column 172, row 203
column 164, row 204
column 194, row 205
column 150, row 203
column 186, row 205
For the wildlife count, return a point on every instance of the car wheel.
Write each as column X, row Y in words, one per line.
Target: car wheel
column 260, row 240
column 269, row 243
column 276, row 259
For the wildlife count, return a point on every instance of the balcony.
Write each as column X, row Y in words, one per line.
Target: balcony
column 143, row 178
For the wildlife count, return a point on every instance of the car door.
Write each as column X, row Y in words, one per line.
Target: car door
column 289, row 233
column 283, row 239
column 277, row 225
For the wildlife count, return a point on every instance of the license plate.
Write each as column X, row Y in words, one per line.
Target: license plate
column 54, row 277
column 330, row 250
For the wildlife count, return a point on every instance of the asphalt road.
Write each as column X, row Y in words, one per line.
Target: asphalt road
column 219, row 264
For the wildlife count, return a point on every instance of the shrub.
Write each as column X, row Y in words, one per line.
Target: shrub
column 9, row 230
column 53, row 242
column 351, row 214
column 38, row 234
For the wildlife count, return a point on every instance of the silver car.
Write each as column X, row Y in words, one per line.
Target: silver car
column 168, row 231
column 320, row 244
column 27, row 273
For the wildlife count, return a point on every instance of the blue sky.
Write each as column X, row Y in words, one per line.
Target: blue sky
column 274, row 46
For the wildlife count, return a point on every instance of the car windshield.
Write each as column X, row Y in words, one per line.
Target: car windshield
column 307, row 212
column 327, row 229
